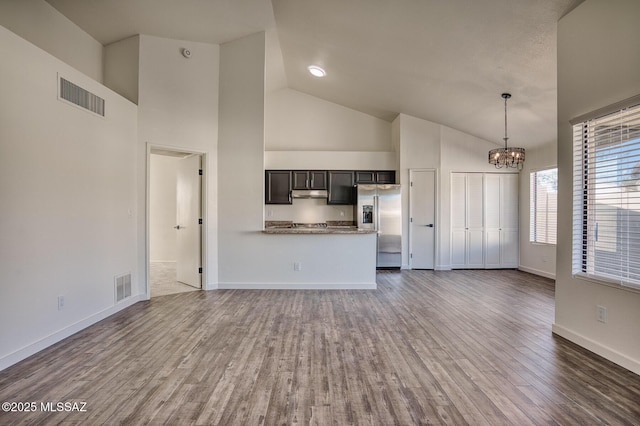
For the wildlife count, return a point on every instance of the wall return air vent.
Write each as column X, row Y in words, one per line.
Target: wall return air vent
column 80, row 97
column 122, row 287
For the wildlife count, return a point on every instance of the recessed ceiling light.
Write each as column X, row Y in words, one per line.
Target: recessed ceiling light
column 316, row 71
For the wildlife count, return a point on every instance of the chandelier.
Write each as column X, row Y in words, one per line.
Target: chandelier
column 506, row 157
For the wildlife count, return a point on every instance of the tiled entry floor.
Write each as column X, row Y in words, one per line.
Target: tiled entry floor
column 162, row 276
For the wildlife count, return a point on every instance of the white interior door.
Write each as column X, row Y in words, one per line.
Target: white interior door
column 188, row 192
column 422, row 223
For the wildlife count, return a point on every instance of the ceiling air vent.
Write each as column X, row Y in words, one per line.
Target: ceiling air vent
column 81, row 97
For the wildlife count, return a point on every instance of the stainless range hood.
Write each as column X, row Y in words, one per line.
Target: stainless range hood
column 309, row 193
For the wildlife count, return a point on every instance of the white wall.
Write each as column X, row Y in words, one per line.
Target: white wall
column 68, row 210
column 297, row 121
column 330, row 160
column 308, row 211
column 178, row 108
column 163, row 176
column 39, row 23
column 121, row 65
column 539, row 259
column 418, row 144
column 609, row 31
column 427, row 145
column 460, row 153
column 249, row 258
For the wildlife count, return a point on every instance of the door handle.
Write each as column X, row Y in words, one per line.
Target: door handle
column 177, row 227
column 429, row 225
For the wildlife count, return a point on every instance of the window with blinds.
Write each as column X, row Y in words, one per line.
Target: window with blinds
column 606, row 195
column 543, row 204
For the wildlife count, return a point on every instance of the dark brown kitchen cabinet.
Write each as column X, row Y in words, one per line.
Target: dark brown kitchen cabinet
column 341, row 187
column 375, row 176
column 309, row 179
column 277, row 187
column 365, row 176
column 386, row 176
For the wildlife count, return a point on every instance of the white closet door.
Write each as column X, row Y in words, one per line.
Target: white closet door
column 509, row 242
column 458, row 200
column 509, row 201
column 475, row 201
column 501, row 219
column 458, row 248
column 467, row 220
column 492, row 206
column 509, row 248
column 475, row 220
column 493, row 196
column 458, row 220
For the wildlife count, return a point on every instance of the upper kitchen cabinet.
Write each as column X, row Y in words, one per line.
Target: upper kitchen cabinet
column 311, row 179
column 341, row 190
column 376, row 177
column 277, row 188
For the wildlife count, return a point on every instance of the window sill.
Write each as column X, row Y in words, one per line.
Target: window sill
column 607, row 283
column 536, row 243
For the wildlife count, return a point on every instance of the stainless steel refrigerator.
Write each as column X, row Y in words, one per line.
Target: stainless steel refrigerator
column 379, row 208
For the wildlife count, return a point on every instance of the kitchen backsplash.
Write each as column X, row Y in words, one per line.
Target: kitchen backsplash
column 308, row 210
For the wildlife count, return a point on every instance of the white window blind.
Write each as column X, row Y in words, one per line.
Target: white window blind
column 606, row 196
column 543, row 205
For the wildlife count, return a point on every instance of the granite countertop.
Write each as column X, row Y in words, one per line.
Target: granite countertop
column 333, row 227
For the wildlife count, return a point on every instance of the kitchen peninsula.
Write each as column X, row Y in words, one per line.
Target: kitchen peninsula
column 309, row 231
column 289, row 227
column 319, row 258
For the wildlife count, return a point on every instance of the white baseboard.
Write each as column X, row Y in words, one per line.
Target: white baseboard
column 537, row 272
column 597, row 348
column 443, row 268
column 297, row 286
column 27, row 351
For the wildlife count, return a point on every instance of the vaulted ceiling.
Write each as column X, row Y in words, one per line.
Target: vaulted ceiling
column 445, row 61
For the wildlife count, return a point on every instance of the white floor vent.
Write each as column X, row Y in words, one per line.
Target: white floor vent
column 123, row 287
column 80, row 97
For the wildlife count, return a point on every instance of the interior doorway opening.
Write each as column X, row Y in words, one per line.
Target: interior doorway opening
column 175, row 222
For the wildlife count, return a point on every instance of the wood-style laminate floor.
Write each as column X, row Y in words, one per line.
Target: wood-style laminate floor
column 461, row 347
column 163, row 281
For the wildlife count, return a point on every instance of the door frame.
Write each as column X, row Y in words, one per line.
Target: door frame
column 203, row 210
column 436, row 217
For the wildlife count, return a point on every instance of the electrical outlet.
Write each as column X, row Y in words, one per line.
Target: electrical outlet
column 297, row 266
column 601, row 313
column 60, row 302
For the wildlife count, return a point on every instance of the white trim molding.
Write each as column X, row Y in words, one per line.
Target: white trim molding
column 27, row 351
column 535, row 271
column 298, row 286
column 597, row 348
